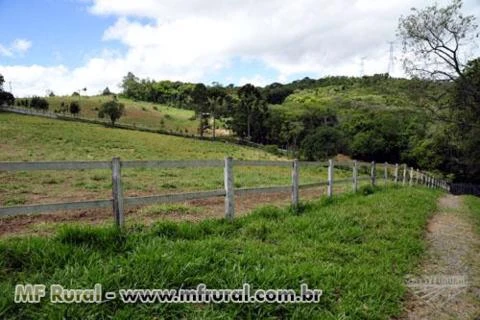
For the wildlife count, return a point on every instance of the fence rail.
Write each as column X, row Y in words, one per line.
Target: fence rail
column 407, row 176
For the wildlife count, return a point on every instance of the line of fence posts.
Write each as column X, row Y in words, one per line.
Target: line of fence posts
column 429, row 181
column 229, row 186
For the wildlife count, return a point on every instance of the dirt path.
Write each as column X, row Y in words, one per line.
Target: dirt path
column 447, row 285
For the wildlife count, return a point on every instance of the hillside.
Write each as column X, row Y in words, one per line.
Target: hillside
column 26, row 138
column 346, row 94
column 151, row 115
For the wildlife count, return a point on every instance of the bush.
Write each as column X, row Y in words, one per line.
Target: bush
column 39, row 103
column 74, row 107
column 271, row 148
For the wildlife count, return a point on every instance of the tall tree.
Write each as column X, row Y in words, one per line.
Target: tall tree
column 200, row 101
column 437, row 41
column 249, row 97
column 216, row 102
column 432, row 39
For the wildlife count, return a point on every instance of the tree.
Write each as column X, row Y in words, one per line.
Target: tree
column 6, row 98
column 438, row 41
column 106, row 92
column 38, row 103
column 432, row 39
column 250, row 114
column 131, row 86
column 324, row 143
column 200, row 101
column 216, row 101
column 74, row 107
column 112, row 109
column 466, row 116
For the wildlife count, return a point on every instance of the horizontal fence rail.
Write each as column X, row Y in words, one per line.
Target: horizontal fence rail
column 54, row 165
column 172, row 164
column 376, row 173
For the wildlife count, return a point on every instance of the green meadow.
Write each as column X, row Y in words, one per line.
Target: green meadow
column 356, row 248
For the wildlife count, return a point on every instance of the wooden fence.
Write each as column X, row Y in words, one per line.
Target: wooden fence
column 118, row 201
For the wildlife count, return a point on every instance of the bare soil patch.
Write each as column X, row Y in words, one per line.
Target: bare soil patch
column 447, row 285
column 44, row 224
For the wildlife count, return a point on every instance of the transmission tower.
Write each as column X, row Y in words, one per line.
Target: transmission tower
column 391, row 58
column 362, row 66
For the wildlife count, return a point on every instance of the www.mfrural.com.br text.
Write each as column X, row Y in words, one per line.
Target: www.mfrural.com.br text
column 35, row 293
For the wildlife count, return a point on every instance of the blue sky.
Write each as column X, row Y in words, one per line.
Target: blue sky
column 63, row 45
column 61, row 31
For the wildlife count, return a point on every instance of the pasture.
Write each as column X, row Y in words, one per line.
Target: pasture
column 155, row 116
column 26, row 138
column 356, row 248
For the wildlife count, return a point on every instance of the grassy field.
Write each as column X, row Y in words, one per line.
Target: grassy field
column 25, row 138
column 356, row 248
column 155, row 116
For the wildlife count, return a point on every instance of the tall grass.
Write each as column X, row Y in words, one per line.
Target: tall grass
column 356, row 248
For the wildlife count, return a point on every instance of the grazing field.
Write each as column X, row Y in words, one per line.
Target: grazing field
column 155, row 116
column 25, row 138
column 356, row 248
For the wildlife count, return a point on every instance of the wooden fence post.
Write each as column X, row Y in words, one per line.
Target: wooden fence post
column 410, row 182
column 229, row 189
column 330, row 178
column 355, row 176
column 373, row 173
column 385, row 173
column 404, row 175
column 295, row 173
column 396, row 173
column 117, row 192
column 417, row 177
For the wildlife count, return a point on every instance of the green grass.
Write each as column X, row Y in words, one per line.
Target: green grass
column 155, row 116
column 347, row 99
column 356, row 248
column 473, row 205
column 25, row 138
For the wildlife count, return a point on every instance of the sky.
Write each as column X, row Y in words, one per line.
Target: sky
column 67, row 45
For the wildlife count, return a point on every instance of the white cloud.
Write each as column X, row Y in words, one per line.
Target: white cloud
column 17, row 47
column 192, row 39
column 21, row 45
